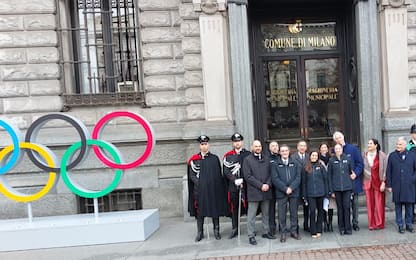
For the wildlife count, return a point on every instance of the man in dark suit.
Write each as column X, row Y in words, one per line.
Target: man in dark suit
column 274, row 156
column 286, row 179
column 301, row 157
column 256, row 170
column 401, row 178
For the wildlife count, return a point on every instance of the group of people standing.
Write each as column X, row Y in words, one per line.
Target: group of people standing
column 255, row 181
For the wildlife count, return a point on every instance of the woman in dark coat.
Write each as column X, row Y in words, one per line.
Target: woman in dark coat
column 315, row 188
column 401, row 178
column 324, row 156
column 341, row 176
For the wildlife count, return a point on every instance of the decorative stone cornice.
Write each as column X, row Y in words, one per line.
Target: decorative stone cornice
column 209, row 6
column 238, row 2
column 394, row 3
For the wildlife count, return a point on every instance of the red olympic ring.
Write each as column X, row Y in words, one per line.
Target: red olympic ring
column 143, row 122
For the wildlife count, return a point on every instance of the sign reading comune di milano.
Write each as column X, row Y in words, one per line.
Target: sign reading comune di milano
column 286, row 37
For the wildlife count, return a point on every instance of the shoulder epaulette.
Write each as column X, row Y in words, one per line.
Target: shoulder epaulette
column 194, row 157
column 232, row 152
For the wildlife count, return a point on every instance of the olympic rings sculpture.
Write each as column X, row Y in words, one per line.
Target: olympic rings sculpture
column 46, row 160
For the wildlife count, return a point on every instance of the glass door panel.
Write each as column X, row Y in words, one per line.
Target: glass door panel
column 282, row 106
column 322, row 97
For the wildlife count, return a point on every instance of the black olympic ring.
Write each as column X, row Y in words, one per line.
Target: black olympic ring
column 41, row 121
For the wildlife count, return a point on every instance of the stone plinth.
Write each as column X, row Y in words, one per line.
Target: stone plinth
column 76, row 230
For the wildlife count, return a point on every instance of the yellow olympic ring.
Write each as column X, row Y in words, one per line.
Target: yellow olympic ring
column 18, row 196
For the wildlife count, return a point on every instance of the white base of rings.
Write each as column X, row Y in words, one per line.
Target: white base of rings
column 78, row 230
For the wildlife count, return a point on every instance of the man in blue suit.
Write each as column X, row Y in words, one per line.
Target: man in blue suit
column 357, row 164
column 401, row 180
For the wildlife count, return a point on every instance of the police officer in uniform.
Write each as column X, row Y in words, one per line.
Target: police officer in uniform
column 411, row 146
column 206, row 187
column 233, row 171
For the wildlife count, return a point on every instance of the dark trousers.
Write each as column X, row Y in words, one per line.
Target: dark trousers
column 305, row 216
column 354, row 206
column 272, row 215
column 408, row 214
column 282, row 206
column 234, row 197
column 316, row 213
column 343, row 199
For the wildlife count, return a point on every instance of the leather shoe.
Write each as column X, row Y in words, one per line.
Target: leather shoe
column 410, row 229
column 199, row 236
column 295, row 236
column 217, row 236
column 268, row 236
column 283, row 238
column 356, row 227
column 234, row 233
column 401, row 230
column 252, row 241
column 348, row 232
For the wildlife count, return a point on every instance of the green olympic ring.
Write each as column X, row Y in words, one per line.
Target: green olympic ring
column 76, row 188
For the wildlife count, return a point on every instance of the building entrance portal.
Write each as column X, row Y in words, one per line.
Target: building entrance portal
column 304, row 84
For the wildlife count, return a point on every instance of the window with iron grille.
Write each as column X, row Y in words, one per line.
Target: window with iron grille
column 118, row 200
column 100, row 52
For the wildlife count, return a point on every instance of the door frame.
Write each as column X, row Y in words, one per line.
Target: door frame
column 301, row 91
column 344, row 50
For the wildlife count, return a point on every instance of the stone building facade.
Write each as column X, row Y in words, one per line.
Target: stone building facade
column 196, row 77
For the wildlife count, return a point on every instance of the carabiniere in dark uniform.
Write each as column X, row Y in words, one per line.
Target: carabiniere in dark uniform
column 233, row 171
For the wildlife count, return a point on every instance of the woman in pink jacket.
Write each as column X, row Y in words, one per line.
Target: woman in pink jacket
column 375, row 163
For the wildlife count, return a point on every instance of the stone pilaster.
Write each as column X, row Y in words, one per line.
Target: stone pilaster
column 393, row 30
column 214, row 59
column 396, row 69
column 240, row 68
column 368, row 71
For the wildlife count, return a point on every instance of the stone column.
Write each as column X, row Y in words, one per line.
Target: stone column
column 240, row 68
column 215, row 61
column 393, row 29
column 368, row 71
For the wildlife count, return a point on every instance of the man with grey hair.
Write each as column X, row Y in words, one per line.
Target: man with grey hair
column 256, row 170
column 400, row 179
column 358, row 165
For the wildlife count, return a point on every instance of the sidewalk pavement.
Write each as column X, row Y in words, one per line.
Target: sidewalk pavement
column 175, row 240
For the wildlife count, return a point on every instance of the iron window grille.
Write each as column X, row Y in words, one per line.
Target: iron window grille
column 118, row 200
column 100, row 52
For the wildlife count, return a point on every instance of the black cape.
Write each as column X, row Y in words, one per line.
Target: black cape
column 206, row 187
